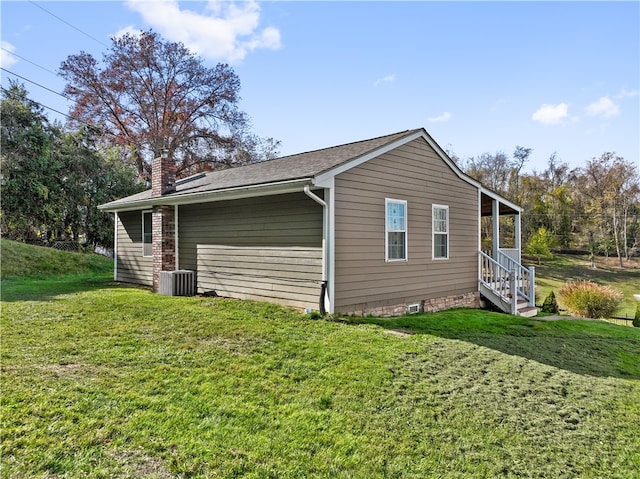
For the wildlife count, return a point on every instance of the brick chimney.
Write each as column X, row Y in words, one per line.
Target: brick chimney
column 163, row 175
column 163, row 181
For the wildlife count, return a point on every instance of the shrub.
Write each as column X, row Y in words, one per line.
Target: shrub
column 590, row 300
column 550, row 304
column 636, row 318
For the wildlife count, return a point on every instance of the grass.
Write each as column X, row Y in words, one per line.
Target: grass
column 111, row 381
column 35, row 273
column 20, row 261
column 553, row 273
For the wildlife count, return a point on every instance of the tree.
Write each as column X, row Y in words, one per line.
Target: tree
column 492, row 170
column 89, row 177
column 53, row 180
column 29, row 176
column 520, row 157
column 610, row 189
column 540, row 244
column 149, row 94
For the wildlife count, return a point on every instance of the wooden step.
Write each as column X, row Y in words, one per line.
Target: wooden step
column 528, row 312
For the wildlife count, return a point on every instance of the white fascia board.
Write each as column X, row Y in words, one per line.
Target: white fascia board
column 291, row 186
column 322, row 179
column 501, row 199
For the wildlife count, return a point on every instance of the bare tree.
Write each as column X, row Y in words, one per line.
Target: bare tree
column 148, row 94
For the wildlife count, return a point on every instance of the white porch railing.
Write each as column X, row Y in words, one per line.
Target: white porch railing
column 507, row 281
column 511, row 253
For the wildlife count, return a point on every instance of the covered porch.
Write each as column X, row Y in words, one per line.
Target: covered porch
column 503, row 279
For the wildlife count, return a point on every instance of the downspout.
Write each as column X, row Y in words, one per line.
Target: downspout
column 116, row 221
column 325, row 231
column 175, row 237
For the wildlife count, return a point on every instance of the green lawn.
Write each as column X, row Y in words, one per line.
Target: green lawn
column 21, row 261
column 113, row 381
column 100, row 380
column 552, row 274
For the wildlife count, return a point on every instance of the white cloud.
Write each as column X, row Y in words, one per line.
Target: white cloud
column 446, row 116
column 129, row 29
column 603, row 107
column 383, row 80
column 551, row 114
column 6, row 58
column 223, row 31
column 626, row 94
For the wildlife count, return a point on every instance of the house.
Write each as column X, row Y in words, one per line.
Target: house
column 382, row 226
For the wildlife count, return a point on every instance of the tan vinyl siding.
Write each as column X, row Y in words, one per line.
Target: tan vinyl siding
column 286, row 275
column 259, row 248
column 415, row 173
column 132, row 266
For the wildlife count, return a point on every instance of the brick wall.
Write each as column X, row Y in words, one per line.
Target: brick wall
column 164, row 242
column 467, row 300
column 163, row 176
column 163, row 181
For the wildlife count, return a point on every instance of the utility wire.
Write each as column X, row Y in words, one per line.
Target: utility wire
column 35, row 83
column 29, row 61
column 101, row 129
column 54, row 110
column 69, row 24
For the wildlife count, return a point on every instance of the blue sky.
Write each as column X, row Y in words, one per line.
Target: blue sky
column 479, row 76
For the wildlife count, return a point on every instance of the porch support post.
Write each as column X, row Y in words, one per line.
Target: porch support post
column 532, row 286
column 518, row 245
column 496, row 228
column 513, row 292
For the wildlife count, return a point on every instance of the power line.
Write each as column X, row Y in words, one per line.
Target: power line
column 56, row 111
column 35, row 83
column 69, row 24
column 29, row 61
column 102, row 130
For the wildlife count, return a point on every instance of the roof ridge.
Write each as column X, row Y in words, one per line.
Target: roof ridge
column 406, row 132
column 347, row 144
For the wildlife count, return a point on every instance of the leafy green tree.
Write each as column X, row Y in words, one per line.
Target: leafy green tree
column 30, row 190
column 92, row 176
column 53, row 180
column 540, row 244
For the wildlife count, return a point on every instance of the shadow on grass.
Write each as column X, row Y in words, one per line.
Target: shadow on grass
column 593, row 348
column 48, row 288
column 564, row 271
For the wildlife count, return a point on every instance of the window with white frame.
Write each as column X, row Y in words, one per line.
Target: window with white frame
column 396, row 230
column 440, row 231
column 147, row 234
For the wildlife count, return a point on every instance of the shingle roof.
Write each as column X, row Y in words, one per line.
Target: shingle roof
column 287, row 168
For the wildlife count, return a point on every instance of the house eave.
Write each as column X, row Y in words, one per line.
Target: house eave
column 510, row 207
column 282, row 187
column 324, row 177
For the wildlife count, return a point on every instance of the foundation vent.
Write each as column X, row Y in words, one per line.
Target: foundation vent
column 413, row 308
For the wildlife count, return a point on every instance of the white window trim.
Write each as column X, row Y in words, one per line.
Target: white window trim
column 386, row 232
column 143, row 243
column 433, row 232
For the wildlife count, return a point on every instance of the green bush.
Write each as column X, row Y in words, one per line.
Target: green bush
column 550, row 304
column 636, row 319
column 590, row 300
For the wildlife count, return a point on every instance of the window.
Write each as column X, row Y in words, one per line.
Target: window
column 147, row 235
column 440, row 228
column 396, row 230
